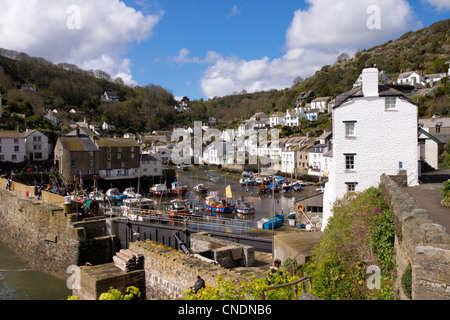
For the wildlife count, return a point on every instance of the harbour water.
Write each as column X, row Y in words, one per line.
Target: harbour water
column 18, row 281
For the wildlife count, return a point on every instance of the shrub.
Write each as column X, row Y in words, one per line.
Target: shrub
column 359, row 234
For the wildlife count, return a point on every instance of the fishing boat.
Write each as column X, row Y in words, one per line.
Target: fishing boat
column 178, row 189
column 201, row 188
column 215, row 204
column 130, row 193
column 244, row 207
column 159, row 189
column 135, row 208
column 178, row 208
column 97, row 196
column 114, row 196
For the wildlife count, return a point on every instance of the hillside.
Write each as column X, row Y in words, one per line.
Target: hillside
column 143, row 109
column 424, row 50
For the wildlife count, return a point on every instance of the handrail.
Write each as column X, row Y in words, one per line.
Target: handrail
column 294, row 283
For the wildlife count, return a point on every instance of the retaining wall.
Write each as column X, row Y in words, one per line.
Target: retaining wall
column 169, row 273
column 419, row 242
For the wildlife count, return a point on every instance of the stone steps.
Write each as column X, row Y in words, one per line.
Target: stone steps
column 128, row 260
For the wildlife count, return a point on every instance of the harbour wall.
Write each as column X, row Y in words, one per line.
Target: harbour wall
column 47, row 235
column 420, row 244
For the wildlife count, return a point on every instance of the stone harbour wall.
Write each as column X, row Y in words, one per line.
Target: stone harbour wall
column 169, row 273
column 49, row 238
column 419, row 243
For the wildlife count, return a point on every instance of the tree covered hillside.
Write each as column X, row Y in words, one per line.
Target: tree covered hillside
column 143, row 109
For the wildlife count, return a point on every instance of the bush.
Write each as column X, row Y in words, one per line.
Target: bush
column 407, row 281
column 359, row 234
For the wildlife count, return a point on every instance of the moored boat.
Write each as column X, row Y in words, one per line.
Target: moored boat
column 178, row 208
column 178, row 189
column 201, row 188
column 159, row 189
column 244, row 207
column 215, row 204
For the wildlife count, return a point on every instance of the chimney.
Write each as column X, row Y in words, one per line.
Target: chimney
column 370, row 82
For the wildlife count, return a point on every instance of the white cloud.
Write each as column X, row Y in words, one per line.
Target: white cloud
column 235, row 10
column 90, row 34
column 316, row 37
column 440, row 5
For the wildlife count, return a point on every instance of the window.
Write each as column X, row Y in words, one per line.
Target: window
column 38, row 155
column 16, row 148
column 73, row 155
column 108, row 165
column 73, row 163
column 2, row 157
column 108, row 156
column 349, row 162
column 14, row 157
column 16, row 140
column 390, row 103
column 91, row 163
column 350, row 128
column 91, row 154
column 119, row 156
column 351, row 186
column 108, row 149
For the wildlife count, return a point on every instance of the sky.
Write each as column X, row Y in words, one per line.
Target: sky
column 208, row 48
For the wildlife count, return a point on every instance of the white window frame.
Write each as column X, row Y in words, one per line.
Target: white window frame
column 350, row 162
column 390, row 103
column 350, row 127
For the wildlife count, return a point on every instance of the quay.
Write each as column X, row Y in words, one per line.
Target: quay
column 52, row 237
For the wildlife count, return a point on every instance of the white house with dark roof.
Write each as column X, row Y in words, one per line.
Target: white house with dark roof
column 37, row 147
column 374, row 133
column 12, row 146
column 109, row 96
column 277, row 119
column 411, row 78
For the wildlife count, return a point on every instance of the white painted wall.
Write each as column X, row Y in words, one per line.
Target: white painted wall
column 382, row 140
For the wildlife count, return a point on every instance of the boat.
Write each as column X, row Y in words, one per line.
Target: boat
column 286, row 186
column 159, row 189
column 130, row 193
column 259, row 181
column 97, row 196
column 215, row 204
column 178, row 189
column 114, row 196
column 178, row 208
column 274, row 187
column 244, row 207
column 296, row 186
column 183, row 167
column 135, row 208
column 201, row 188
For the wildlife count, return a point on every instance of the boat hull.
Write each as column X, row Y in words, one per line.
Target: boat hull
column 226, row 209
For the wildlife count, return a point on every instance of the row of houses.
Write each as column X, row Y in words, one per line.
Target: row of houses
column 31, row 145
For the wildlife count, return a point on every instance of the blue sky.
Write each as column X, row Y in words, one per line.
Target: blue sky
column 207, row 48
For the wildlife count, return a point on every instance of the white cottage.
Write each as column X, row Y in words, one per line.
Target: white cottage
column 37, row 147
column 374, row 132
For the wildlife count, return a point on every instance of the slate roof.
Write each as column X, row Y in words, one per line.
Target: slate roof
column 11, row 134
column 116, row 142
column 384, row 90
column 80, row 144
